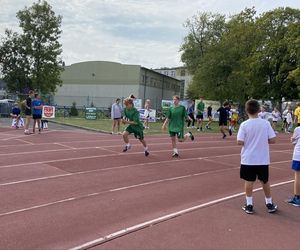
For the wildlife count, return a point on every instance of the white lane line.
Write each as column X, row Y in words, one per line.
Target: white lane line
column 114, row 190
column 60, row 144
column 26, row 142
column 107, row 155
column 23, row 136
column 161, row 219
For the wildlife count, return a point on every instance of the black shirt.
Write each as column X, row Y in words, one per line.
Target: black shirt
column 223, row 114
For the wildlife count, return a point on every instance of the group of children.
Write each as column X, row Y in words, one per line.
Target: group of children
column 32, row 109
column 254, row 135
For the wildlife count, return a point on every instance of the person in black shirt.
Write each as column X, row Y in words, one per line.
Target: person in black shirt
column 209, row 116
column 28, row 112
column 223, row 117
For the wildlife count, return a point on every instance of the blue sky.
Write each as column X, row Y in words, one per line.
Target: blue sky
column 142, row 32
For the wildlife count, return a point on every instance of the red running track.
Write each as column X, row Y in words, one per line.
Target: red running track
column 63, row 190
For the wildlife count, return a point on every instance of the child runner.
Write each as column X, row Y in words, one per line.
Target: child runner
column 209, row 116
column 297, row 114
column 132, row 117
column 116, row 115
column 223, row 117
column 275, row 117
column 176, row 118
column 191, row 111
column 234, row 119
column 289, row 121
column 28, row 112
column 296, row 167
column 255, row 135
column 147, row 113
column 37, row 112
column 200, row 111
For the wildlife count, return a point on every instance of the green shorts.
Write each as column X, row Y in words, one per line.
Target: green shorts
column 138, row 132
column 180, row 135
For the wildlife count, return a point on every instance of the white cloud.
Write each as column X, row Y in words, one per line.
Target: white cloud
column 144, row 32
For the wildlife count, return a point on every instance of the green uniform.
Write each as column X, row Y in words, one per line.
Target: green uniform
column 136, row 129
column 200, row 108
column 177, row 116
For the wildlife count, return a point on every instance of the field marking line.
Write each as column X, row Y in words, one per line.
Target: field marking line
column 23, row 141
column 164, row 218
column 118, row 154
column 24, row 136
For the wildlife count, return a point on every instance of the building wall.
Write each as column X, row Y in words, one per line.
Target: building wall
column 101, row 83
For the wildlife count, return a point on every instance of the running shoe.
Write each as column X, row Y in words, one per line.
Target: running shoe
column 146, row 153
column 191, row 136
column 126, row 148
column 175, row 155
column 248, row 209
column 294, row 201
column 230, row 132
column 272, row 208
column 224, row 136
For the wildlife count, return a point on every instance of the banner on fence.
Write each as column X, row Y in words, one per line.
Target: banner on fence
column 48, row 112
column 152, row 115
column 91, row 113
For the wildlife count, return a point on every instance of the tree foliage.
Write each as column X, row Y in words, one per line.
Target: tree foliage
column 253, row 57
column 37, row 51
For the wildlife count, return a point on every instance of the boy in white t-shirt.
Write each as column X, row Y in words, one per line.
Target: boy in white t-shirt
column 296, row 167
column 255, row 135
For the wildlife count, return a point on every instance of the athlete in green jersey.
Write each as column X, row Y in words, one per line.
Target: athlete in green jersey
column 176, row 118
column 199, row 116
column 132, row 117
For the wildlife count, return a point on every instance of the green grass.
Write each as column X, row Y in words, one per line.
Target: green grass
column 105, row 125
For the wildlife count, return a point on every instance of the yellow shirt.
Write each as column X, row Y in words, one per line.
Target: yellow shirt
column 297, row 113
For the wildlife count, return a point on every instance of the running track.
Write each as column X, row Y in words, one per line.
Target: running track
column 76, row 190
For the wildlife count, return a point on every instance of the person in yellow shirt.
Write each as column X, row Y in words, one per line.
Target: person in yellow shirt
column 297, row 114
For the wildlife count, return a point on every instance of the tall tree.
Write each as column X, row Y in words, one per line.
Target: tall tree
column 275, row 57
column 39, row 39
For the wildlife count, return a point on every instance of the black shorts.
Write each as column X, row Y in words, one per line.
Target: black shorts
column 199, row 116
column 118, row 118
column 223, row 123
column 28, row 112
column 36, row 116
column 250, row 172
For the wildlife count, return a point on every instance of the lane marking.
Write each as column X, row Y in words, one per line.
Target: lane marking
column 118, row 154
column 161, row 219
column 114, row 190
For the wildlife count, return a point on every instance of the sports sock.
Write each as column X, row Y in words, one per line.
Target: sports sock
column 268, row 200
column 175, row 150
column 249, row 200
column 145, row 148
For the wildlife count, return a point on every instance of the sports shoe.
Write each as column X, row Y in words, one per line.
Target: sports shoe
column 146, row 153
column 206, row 126
column 175, row 155
column 248, row 209
column 224, row 136
column 191, row 136
column 230, row 132
column 272, row 208
column 126, row 148
column 294, row 201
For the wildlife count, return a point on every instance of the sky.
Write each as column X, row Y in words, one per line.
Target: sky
column 140, row 32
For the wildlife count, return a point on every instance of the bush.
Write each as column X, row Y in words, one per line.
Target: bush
column 74, row 111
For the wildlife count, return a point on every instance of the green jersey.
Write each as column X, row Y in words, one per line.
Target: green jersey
column 134, row 116
column 200, row 108
column 177, row 116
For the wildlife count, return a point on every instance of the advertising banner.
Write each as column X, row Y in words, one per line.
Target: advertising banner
column 91, row 113
column 48, row 112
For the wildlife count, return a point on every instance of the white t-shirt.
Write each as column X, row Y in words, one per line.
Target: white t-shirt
column 289, row 118
column 264, row 115
column 275, row 116
column 296, row 154
column 255, row 133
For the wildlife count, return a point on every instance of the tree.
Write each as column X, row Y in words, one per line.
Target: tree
column 41, row 49
column 275, row 57
column 14, row 63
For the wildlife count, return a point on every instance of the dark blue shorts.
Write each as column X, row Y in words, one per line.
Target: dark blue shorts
column 296, row 165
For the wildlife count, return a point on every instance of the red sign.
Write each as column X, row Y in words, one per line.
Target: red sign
column 48, row 112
